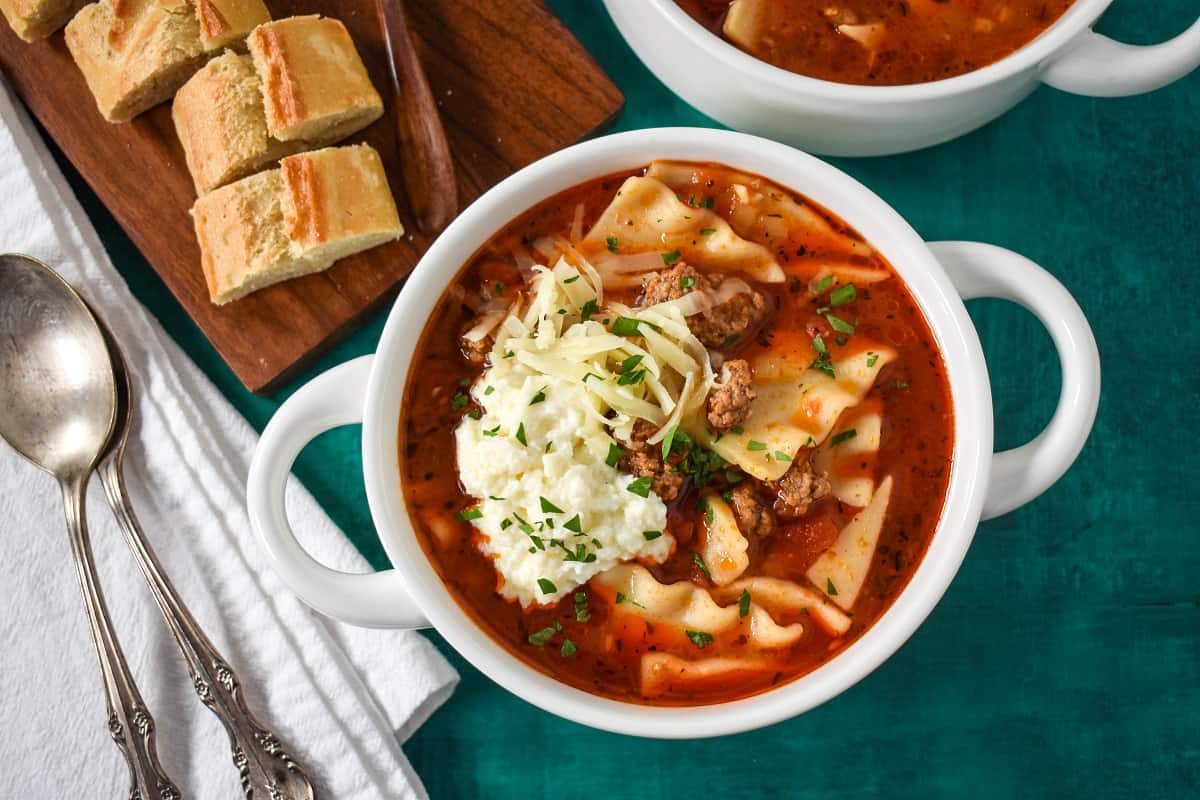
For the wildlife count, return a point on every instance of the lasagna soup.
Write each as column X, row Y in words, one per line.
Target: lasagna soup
column 884, row 42
column 676, row 436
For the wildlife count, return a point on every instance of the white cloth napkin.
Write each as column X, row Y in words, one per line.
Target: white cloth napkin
column 342, row 699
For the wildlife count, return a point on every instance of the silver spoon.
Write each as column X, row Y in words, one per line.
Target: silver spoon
column 267, row 770
column 57, row 407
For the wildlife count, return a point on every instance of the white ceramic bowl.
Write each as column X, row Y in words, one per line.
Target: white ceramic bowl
column 819, row 116
column 370, row 389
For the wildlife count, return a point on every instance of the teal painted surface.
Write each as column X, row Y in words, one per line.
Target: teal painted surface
column 1065, row 659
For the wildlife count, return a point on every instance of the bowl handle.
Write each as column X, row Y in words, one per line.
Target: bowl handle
column 1097, row 66
column 983, row 270
column 332, row 399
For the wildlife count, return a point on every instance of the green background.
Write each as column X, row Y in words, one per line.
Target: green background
column 1065, row 659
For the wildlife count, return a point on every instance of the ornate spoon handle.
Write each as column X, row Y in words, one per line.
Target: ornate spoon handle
column 129, row 722
column 267, row 771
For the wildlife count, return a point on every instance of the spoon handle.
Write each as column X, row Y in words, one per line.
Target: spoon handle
column 428, row 165
column 266, row 768
column 129, row 722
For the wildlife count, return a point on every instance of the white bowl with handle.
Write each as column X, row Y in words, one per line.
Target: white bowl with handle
column 982, row 484
column 841, row 119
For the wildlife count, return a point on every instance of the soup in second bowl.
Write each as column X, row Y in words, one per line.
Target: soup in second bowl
column 883, row 42
column 675, row 436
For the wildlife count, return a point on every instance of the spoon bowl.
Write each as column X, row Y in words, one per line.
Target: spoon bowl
column 57, row 394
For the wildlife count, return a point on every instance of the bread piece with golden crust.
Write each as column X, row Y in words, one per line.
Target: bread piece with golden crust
column 314, row 82
column 135, row 53
column 37, row 19
column 292, row 221
column 219, row 117
column 225, row 23
column 337, row 201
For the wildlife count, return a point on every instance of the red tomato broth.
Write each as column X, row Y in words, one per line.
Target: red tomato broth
column 915, row 450
column 923, row 40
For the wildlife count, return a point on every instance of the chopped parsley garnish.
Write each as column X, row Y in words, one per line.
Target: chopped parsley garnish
column 754, row 445
column 499, row 288
column 630, row 363
column 611, row 241
column 700, row 638
column 574, row 524
column 674, row 439
column 464, row 383
column 459, row 401
column 591, row 375
column 738, row 429
column 824, row 284
column 631, row 378
column 475, row 413
column 589, row 308
column 823, row 363
column 538, row 543
column 540, row 638
column 819, row 345
column 548, row 507
column 521, row 435
column 640, row 487
column 581, row 607
column 549, row 446
column 509, row 354
column 468, row 514
column 782, row 456
column 492, row 432
column 620, row 598
column 734, row 477
column 489, row 390
column 900, row 384
column 838, row 324
column 524, row 525
column 580, row 553
column 547, row 586
column 670, row 258
column 838, row 438
column 628, row 326
column 505, row 524
column 571, row 279
column 540, row 397
column 744, row 603
column 708, row 514
column 650, row 536
column 700, row 464
column 729, row 340
column 843, row 295
column 871, row 359
column 614, row 455
column 830, row 589
column 708, row 202
column 568, row 648
column 841, row 340
column 700, row 562
column 707, row 231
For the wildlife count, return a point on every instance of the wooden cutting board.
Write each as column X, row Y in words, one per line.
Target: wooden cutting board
column 512, row 83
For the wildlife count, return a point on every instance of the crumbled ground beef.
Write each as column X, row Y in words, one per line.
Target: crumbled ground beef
column 753, row 516
column 647, row 463
column 719, row 327
column 729, row 405
column 799, row 488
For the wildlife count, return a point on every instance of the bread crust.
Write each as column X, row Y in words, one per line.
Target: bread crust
column 135, row 54
column 37, row 19
column 295, row 220
column 313, row 78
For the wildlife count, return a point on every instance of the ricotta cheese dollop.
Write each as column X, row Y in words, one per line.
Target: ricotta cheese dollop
column 553, row 511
